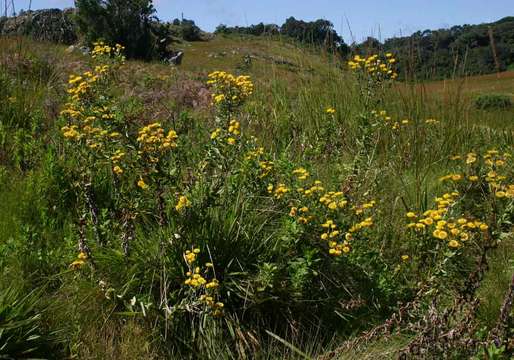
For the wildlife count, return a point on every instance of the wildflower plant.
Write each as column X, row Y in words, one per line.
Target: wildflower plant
column 92, row 128
column 202, row 284
column 229, row 92
column 375, row 75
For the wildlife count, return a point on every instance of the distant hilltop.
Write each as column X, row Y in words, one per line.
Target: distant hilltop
column 459, row 50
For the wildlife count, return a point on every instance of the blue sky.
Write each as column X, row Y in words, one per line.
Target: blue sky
column 381, row 19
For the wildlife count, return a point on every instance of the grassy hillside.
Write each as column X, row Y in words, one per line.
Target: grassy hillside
column 308, row 211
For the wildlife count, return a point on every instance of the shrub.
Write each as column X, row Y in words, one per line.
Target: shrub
column 186, row 29
column 493, row 101
column 119, row 22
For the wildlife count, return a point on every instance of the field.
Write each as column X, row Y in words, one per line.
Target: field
column 261, row 201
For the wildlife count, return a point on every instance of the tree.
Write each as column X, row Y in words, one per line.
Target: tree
column 125, row 22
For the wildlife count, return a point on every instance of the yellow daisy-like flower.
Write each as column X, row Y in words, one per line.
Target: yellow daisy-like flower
column 440, row 234
column 183, row 202
column 117, row 170
column 500, row 194
column 142, row 184
column 454, row 244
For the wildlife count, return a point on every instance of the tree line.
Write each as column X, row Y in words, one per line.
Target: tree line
column 459, row 50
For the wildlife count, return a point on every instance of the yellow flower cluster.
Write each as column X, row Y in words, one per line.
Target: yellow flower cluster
column 229, row 90
column 88, row 121
column 333, row 200
column 101, row 49
column 338, row 242
column 255, row 154
column 230, row 135
column 234, row 130
column 301, row 173
column 385, row 119
column 153, row 140
column 266, row 168
column 488, row 169
column 279, row 191
column 116, row 158
column 452, row 177
column 360, row 209
column 336, row 248
column 315, row 188
column 442, row 226
column 327, row 202
column 197, row 279
column 374, row 66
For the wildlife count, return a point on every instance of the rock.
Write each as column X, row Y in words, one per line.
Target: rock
column 176, row 59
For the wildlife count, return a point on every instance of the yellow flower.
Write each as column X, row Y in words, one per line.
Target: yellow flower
column 411, row 214
column 231, row 141
column 77, row 264
column 215, row 134
column 405, row 258
column 454, row 244
column 330, row 110
column 183, row 202
column 500, row 194
column 117, row 170
column 142, row 184
column 440, row 234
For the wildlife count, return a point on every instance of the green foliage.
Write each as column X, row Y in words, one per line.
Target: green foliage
column 186, row 29
column 460, row 50
column 320, row 32
column 21, row 332
column 119, row 22
column 493, row 102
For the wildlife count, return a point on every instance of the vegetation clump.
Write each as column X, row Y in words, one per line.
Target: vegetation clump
column 493, row 101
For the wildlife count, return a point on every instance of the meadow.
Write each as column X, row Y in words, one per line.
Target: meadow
column 260, row 201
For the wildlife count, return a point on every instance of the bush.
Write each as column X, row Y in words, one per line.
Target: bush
column 493, row 101
column 119, row 22
column 186, row 29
